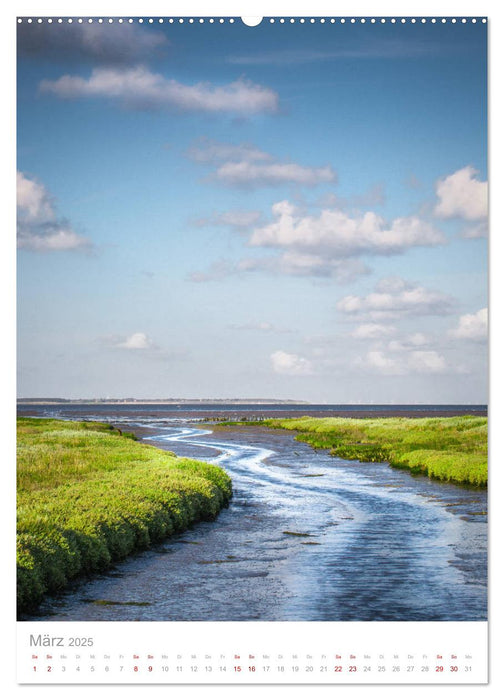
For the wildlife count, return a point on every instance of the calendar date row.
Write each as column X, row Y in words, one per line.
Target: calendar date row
column 255, row 669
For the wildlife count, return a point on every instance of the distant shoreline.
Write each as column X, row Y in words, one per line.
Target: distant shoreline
column 242, row 402
column 229, row 411
column 160, row 402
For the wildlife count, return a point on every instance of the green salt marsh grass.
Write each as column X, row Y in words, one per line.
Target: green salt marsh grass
column 451, row 449
column 88, row 495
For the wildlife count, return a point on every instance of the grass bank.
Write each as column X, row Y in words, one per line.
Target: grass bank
column 450, row 449
column 88, row 495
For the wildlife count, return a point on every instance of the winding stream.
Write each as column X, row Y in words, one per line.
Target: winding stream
column 307, row 536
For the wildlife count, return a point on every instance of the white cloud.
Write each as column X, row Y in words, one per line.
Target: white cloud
column 427, row 362
column 245, row 165
column 338, row 235
column 329, row 244
column 141, row 346
column 302, row 265
column 136, row 341
column 248, row 174
column 33, row 200
column 461, row 195
column 293, row 365
column 415, row 340
column 403, row 299
column 472, row 326
column 139, row 88
column 377, row 361
column 58, row 238
column 415, row 362
column 372, row 331
column 38, row 226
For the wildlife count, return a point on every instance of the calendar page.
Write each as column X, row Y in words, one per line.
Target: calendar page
column 252, row 349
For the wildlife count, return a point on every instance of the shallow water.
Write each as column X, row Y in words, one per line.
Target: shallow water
column 307, row 536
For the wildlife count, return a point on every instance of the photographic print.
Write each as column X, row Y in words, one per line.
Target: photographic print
column 252, row 324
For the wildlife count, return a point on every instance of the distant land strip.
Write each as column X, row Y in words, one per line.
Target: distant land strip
column 53, row 400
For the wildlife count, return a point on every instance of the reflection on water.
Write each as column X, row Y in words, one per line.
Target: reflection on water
column 306, row 537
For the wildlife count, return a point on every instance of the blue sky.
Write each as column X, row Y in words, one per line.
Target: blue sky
column 287, row 211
